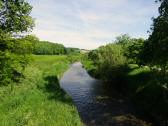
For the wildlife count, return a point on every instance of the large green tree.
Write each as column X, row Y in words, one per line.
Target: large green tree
column 14, row 16
column 156, row 48
column 133, row 50
column 14, row 19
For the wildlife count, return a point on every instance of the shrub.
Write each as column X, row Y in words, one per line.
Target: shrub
column 108, row 62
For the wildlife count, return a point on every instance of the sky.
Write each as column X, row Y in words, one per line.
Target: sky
column 88, row 24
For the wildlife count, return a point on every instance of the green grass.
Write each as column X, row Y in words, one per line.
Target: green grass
column 38, row 99
column 137, row 77
column 148, row 93
column 143, row 86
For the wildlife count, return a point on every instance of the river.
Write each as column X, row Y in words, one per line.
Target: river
column 97, row 104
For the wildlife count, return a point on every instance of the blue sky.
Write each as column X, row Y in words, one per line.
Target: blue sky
column 89, row 24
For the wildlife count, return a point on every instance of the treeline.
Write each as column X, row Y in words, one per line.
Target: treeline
column 138, row 67
column 48, row 48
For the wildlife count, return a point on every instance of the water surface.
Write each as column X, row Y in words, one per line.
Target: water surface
column 98, row 105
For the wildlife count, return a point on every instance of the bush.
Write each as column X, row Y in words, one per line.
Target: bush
column 153, row 99
column 107, row 62
column 12, row 66
column 14, row 57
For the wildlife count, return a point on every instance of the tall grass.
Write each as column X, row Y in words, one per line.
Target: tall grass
column 38, row 99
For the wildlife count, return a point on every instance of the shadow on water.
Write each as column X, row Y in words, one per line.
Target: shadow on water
column 113, row 109
column 98, row 105
column 52, row 87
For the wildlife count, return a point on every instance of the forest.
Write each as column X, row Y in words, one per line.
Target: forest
column 30, row 70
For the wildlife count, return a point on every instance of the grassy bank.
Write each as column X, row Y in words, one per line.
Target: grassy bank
column 38, row 99
column 142, row 85
column 148, row 93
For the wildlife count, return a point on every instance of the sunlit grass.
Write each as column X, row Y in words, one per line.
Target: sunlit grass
column 134, row 69
column 38, row 100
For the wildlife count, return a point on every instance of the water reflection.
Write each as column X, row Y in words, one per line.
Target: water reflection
column 97, row 105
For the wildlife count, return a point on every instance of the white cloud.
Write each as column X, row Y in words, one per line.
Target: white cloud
column 91, row 23
column 68, row 39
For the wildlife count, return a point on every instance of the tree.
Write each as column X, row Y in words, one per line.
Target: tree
column 123, row 40
column 14, row 19
column 156, row 47
column 134, row 49
column 108, row 61
column 94, row 55
column 131, row 47
column 14, row 16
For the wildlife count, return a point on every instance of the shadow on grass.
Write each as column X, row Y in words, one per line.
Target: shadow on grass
column 149, row 95
column 138, row 80
column 55, row 92
column 136, row 86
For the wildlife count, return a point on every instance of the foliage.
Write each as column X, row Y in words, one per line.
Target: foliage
column 14, row 16
column 74, row 57
column 154, row 54
column 156, row 48
column 72, row 50
column 93, row 55
column 123, row 40
column 14, row 19
column 107, row 61
column 132, row 48
column 148, row 88
column 12, row 66
column 38, row 99
column 48, row 48
column 14, row 59
column 133, row 51
column 145, row 87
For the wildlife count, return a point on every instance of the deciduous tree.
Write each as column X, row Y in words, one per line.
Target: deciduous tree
column 156, row 48
column 14, row 19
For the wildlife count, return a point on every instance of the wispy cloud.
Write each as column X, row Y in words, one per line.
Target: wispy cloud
column 91, row 23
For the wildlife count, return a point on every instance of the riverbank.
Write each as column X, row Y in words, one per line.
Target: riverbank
column 99, row 105
column 38, row 99
column 139, row 84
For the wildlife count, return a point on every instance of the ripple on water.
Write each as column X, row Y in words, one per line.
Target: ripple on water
column 95, row 107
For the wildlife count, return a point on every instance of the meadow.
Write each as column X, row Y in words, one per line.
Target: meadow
column 38, row 100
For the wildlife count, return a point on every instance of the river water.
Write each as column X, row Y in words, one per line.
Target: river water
column 97, row 104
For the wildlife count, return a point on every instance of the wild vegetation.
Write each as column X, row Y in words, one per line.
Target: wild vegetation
column 48, row 48
column 30, row 93
column 138, row 67
column 38, row 99
column 29, row 88
column 14, row 53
